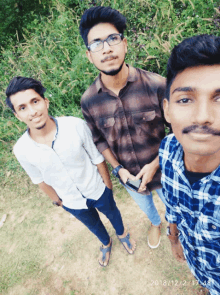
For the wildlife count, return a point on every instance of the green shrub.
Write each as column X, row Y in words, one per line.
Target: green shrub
column 53, row 51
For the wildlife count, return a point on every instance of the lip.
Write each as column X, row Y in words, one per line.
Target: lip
column 36, row 119
column 200, row 136
column 109, row 59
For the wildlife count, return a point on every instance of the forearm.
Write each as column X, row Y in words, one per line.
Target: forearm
column 155, row 164
column 110, row 158
column 48, row 190
column 104, row 172
column 174, row 233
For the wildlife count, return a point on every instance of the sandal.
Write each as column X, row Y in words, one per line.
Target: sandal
column 104, row 251
column 126, row 240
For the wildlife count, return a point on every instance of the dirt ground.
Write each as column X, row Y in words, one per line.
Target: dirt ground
column 69, row 255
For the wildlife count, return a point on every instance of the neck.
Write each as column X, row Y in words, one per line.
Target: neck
column 117, row 82
column 203, row 164
column 47, row 132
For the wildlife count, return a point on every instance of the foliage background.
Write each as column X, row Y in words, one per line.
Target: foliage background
column 40, row 39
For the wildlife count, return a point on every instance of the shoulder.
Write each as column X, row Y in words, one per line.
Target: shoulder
column 69, row 122
column 151, row 77
column 90, row 92
column 22, row 145
column 168, row 145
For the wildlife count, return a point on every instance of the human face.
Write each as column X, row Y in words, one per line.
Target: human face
column 31, row 108
column 110, row 59
column 194, row 110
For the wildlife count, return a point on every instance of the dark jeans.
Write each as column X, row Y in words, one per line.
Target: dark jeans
column 90, row 217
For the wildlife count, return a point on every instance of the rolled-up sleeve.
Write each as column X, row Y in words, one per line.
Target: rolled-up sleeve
column 86, row 136
column 32, row 171
column 98, row 139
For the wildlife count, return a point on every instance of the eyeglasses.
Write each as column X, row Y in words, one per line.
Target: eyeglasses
column 112, row 40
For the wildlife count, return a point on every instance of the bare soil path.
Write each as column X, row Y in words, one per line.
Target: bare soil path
column 48, row 252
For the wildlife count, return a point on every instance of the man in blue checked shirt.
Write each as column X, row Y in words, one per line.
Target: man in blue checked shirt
column 190, row 158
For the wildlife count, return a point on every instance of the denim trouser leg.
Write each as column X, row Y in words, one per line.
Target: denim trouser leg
column 90, row 217
column 146, row 204
column 106, row 204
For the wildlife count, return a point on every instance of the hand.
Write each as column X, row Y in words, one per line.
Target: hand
column 177, row 251
column 147, row 174
column 125, row 174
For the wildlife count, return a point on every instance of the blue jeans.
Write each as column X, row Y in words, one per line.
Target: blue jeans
column 90, row 217
column 146, row 203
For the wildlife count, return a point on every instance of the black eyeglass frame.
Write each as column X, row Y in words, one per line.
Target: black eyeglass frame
column 105, row 40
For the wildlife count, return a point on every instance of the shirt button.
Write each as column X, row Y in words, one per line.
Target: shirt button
column 190, row 213
column 194, row 258
column 213, row 226
column 189, row 234
column 191, row 248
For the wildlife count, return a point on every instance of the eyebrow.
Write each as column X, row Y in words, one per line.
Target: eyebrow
column 23, row 104
column 190, row 89
column 184, row 89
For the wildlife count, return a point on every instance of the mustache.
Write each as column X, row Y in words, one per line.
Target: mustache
column 109, row 57
column 201, row 129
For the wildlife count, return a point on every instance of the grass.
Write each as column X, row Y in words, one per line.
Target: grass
column 52, row 50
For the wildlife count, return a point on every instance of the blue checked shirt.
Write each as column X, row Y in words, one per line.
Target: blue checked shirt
column 196, row 211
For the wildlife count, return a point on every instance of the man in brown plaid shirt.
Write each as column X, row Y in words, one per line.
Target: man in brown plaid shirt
column 123, row 110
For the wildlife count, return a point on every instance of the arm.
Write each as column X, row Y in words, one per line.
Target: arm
column 123, row 173
column 103, row 170
column 48, row 190
column 176, row 247
column 147, row 173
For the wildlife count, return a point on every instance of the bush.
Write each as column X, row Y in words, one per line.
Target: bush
column 53, row 51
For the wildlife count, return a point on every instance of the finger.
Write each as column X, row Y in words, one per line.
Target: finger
column 139, row 175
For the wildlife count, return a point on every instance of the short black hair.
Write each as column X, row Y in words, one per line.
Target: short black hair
column 192, row 52
column 100, row 14
column 18, row 84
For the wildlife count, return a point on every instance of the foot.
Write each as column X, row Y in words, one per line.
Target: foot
column 128, row 243
column 105, row 254
column 153, row 237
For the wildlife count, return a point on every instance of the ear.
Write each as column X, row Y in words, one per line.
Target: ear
column 47, row 102
column 16, row 115
column 125, row 41
column 88, row 54
column 166, row 110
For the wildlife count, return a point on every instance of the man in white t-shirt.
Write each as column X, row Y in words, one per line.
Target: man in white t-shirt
column 59, row 155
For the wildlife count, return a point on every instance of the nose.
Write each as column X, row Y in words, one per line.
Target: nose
column 204, row 112
column 106, row 47
column 32, row 111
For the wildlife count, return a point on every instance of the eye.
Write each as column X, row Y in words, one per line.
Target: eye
column 22, row 108
column 94, row 45
column 184, row 101
column 217, row 98
column 35, row 101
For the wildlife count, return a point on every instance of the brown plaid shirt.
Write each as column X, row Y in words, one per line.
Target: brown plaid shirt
column 130, row 124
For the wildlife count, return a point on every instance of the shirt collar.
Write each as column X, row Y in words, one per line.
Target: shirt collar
column 132, row 77
column 55, row 136
column 176, row 158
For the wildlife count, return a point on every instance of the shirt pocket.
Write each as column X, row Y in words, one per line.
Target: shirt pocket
column 108, row 128
column 209, row 223
column 143, row 122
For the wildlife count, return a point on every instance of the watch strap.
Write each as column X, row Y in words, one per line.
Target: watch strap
column 116, row 170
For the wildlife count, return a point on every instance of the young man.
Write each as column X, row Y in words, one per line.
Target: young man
column 122, row 109
column 190, row 158
column 59, row 155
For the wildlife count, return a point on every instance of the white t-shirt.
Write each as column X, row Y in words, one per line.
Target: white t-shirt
column 69, row 166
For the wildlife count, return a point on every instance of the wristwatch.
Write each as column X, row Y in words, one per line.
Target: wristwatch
column 172, row 238
column 57, row 203
column 116, row 170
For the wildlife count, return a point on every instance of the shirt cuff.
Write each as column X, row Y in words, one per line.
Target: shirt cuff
column 98, row 160
column 102, row 146
column 170, row 218
column 36, row 180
